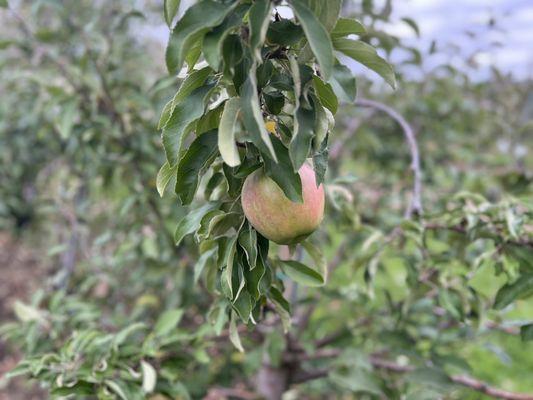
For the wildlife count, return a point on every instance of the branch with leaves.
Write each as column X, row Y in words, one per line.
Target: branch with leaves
column 263, row 99
column 382, row 363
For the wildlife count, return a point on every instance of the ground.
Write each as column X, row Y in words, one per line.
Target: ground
column 21, row 272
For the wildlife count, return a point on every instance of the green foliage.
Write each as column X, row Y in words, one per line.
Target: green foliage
column 244, row 83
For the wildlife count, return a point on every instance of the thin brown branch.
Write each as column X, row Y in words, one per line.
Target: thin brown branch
column 388, row 365
column 415, row 205
column 219, row 393
column 484, row 388
column 329, row 339
column 321, row 353
column 305, row 376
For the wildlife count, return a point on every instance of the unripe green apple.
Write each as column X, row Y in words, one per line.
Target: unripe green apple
column 276, row 217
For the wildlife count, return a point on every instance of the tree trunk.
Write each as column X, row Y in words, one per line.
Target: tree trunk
column 272, row 382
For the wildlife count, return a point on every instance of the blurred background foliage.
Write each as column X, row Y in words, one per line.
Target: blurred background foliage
column 111, row 303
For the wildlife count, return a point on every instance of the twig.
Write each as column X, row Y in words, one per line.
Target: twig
column 415, row 205
column 482, row 387
column 388, row 365
column 222, row 393
column 300, row 357
column 304, row 376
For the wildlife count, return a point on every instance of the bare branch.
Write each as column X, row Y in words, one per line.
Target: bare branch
column 482, row 387
column 415, row 205
column 219, row 393
column 304, row 376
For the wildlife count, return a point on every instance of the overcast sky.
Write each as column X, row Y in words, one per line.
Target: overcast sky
column 509, row 47
column 460, row 28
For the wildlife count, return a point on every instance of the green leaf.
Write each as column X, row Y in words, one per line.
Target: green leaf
column 227, row 130
column 222, row 223
column 248, row 242
column 65, row 121
column 301, row 273
column 168, row 321
column 198, row 19
column 282, row 307
column 118, row 388
column 522, row 288
column 347, row 26
column 304, row 131
column 170, row 9
column 27, row 313
column 193, row 81
column 210, row 120
column 126, row 332
column 234, row 333
column 327, row 12
column 214, row 40
column 431, row 377
column 194, row 52
column 253, row 278
column 366, row 55
column 234, row 66
column 192, row 165
column 282, row 173
column 226, row 250
column 149, row 377
column 411, row 22
column 252, row 116
column 320, row 162
column 243, row 306
column 318, row 258
column 258, row 21
column 201, row 263
column 80, row 388
column 4, row 4
column 317, row 36
column 284, row 32
column 343, row 83
column 526, row 332
column 321, row 124
column 357, row 380
column 165, row 174
column 325, row 94
column 22, row 368
column 191, row 221
column 165, row 115
column 274, row 102
column 182, row 120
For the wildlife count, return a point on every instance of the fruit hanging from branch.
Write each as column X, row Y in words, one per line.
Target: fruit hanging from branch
column 275, row 216
column 249, row 126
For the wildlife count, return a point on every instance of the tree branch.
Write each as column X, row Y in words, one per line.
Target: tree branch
column 305, row 376
column 388, row 365
column 218, row 393
column 415, row 205
column 482, row 387
column 462, row 230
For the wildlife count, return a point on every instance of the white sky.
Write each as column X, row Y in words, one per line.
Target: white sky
column 509, row 47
